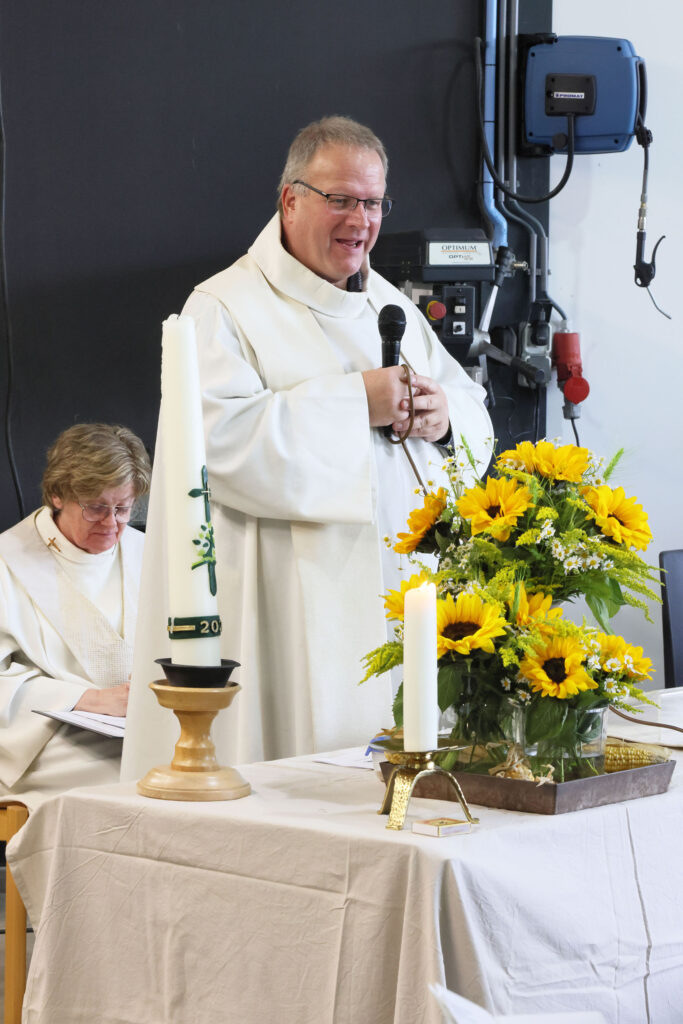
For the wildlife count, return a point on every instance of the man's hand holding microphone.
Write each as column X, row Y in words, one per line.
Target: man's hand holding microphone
column 387, row 388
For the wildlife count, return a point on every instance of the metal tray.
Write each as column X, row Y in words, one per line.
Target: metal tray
column 550, row 798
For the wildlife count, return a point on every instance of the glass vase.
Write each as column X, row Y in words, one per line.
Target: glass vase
column 479, row 732
column 559, row 741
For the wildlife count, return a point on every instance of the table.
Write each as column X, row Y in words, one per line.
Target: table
column 296, row 904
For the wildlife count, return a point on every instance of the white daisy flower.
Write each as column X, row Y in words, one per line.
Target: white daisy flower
column 547, row 530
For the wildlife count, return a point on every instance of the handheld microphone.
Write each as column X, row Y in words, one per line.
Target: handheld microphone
column 391, row 324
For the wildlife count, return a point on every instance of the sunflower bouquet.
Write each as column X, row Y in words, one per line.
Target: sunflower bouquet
column 512, row 670
column 546, row 514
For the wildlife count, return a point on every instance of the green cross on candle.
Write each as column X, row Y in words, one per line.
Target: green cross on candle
column 205, row 540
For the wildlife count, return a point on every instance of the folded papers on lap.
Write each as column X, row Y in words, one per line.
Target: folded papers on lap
column 107, row 725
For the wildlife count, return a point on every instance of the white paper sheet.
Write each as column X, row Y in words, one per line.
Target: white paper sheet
column 350, row 757
column 670, row 710
column 107, row 725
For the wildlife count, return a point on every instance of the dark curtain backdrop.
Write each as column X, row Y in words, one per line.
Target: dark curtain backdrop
column 144, row 140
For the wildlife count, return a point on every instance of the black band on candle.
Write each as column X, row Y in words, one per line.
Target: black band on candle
column 194, row 627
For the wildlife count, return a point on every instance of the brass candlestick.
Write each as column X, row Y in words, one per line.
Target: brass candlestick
column 194, row 772
column 408, row 768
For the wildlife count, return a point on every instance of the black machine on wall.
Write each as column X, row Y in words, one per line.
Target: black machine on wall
column 536, row 95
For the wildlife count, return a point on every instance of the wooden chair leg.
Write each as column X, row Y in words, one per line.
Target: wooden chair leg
column 15, row 930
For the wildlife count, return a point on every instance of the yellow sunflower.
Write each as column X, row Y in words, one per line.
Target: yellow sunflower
column 533, row 609
column 568, row 462
column 618, row 517
column 466, row 624
column 495, row 508
column 556, row 668
column 521, row 457
column 421, row 520
column 394, row 600
column 618, row 656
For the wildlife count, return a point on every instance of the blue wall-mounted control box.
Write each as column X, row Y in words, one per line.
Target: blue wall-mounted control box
column 599, row 80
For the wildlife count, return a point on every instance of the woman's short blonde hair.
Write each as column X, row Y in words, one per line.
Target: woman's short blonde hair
column 90, row 458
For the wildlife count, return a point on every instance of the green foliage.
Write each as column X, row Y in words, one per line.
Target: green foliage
column 468, row 452
column 604, row 598
column 612, row 464
column 545, row 719
column 450, row 683
column 397, row 707
column 382, row 659
column 443, row 540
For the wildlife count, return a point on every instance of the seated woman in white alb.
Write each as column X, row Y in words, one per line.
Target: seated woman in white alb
column 69, row 582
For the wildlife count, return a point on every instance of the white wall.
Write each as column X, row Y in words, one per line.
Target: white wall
column 632, row 355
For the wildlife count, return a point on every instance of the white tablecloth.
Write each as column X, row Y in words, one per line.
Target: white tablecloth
column 297, row 905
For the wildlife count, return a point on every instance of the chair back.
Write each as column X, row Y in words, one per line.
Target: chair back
column 671, row 565
column 13, row 815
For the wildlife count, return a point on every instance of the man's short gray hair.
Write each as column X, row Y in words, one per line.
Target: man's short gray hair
column 339, row 131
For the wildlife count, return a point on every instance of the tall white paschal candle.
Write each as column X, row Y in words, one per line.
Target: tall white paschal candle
column 194, row 623
column 420, row 697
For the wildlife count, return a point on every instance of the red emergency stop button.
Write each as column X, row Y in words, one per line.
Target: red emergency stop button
column 436, row 310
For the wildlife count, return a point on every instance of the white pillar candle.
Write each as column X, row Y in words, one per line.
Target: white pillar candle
column 420, row 698
column 189, row 534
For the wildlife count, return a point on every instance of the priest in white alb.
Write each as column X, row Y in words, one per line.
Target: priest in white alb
column 305, row 484
column 69, row 581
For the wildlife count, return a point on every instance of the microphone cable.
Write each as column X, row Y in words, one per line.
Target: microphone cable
column 391, row 323
column 402, row 438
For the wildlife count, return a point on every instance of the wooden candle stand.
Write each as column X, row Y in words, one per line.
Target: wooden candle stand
column 194, row 772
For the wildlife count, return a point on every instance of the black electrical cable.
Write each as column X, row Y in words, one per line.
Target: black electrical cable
column 644, row 137
column 536, row 418
column 644, row 270
column 6, row 319
column 508, row 422
column 540, row 238
column 558, row 309
column 498, row 182
column 576, row 433
column 537, row 413
column 658, row 308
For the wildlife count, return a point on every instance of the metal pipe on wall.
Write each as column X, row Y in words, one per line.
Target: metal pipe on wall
column 513, row 210
column 488, row 203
